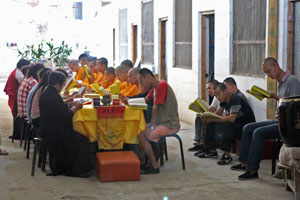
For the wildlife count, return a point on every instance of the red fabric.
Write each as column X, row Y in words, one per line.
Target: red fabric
column 150, row 94
column 11, row 102
column 12, row 84
column 23, row 92
column 118, row 166
column 110, row 112
column 161, row 92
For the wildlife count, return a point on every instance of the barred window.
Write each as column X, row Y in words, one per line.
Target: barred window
column 147, row 33
column 77, row 6
column 123, row 35
column 183, row 34
column 249, row 35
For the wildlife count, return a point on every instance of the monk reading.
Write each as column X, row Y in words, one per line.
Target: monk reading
column 101, row 65
column 122, row 74
column 109, row 78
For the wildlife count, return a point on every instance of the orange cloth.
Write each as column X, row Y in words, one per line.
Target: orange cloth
column 98, row 77
column 132, row 91
column 105, row 83
column 79, row 74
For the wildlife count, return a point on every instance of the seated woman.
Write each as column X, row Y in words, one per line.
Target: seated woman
column 69, row 151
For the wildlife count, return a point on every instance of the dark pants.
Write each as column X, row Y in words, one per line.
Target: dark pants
column 200, row 130
column 229, row 132
column 252, row 143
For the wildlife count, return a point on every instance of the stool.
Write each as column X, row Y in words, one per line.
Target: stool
column 291, row 179
column 163, row 149
column 118, row 166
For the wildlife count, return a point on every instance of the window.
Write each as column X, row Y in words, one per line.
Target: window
column 77, row 6
column 249, row 34
column 123, row 35
column 296, row 37
column 183, row 34
column 147, row 33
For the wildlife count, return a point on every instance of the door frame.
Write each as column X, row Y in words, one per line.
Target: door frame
column 204, row 47
column 162, row 47
column 134, row 29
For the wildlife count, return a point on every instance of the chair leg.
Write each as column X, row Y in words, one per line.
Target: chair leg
column 181, row 150
column 34, row 157
column 166, row 149
column 23, row 132
column 44, row 158
column 274, row 157
column 161, row 151
column 27, row 135
column 40, row 147
column 31, row 134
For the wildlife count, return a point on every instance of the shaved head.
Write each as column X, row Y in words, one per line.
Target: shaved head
column 122, row 69
column 133, row 76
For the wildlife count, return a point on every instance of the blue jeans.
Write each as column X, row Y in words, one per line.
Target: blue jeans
column 252, row 143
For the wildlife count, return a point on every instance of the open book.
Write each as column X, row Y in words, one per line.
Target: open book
column 83, row 100
column 70, row 83
column 209, row 114
column 82, row 90
column 138, row 103
column 114, row 89
column 199, row 105
column 99, row 89
column 258, row 92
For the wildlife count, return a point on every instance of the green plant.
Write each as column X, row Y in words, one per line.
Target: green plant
column 59, row 54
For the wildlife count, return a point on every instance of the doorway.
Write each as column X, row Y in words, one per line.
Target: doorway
column 163, row 72
column 134, row 43
column 206, row 22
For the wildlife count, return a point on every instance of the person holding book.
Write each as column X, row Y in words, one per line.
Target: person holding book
column 232, row 88
column 165, row 118
column 101, row 65
column 80, row 72
column 254, row 134
column 236, row 114
column 125, row 85
column 109, row 78
column 200, row 127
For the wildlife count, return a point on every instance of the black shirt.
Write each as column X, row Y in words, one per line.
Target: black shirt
column 238, row 106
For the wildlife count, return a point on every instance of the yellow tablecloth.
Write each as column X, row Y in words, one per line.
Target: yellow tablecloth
column 85, row 122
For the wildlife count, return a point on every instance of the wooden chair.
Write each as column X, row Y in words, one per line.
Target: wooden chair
column 291, row 179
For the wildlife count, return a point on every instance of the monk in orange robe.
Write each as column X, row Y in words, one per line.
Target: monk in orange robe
column 101, row 65
column 122, row 74
column 133, row 79
column 109, row 78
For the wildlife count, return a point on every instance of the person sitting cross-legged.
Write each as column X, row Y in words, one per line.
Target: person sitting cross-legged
column 254, row 134
column 236, row 114
column 165, row 119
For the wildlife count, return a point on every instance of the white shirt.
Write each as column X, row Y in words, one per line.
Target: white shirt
column 19, row 76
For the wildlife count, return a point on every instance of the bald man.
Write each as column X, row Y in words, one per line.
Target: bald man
column 109, row 78
column 122, row 74
column 133, row 79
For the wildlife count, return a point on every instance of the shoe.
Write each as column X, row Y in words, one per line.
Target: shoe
column 196, row 147
column 144, row 169
column 238, row 167
column 226, row 159
column 201, row 151
column 209, row 154
column 248, row 176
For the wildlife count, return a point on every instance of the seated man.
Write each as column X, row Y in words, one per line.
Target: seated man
column 200, row 128
column 127, row 63
column 133, row 79
column 237, row 113
column 125, row 85
column 91, row 66
column 101, row 66
column 69, row 151
column 254, row 134
column 80, row 71
column 165, row 119
column 109, row 78
column 232, row 88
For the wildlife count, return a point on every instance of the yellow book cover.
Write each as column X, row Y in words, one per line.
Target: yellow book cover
column 114, row 89
column 201, row 104
column 256, row 95
column 96, row 88
column 86, row 70
column 195, row 108
column 70, row 83
column 210, row 114
column 260, row 91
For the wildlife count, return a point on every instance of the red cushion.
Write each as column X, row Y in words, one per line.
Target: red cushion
column 118, row 166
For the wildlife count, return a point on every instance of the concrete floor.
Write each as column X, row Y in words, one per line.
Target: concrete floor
column 202, row 179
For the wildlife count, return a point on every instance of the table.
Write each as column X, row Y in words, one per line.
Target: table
column 86, row 122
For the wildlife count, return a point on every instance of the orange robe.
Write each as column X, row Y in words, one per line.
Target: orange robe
column 98, row 77
column 132, row 91
column 106, row 83
column 79, row 74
